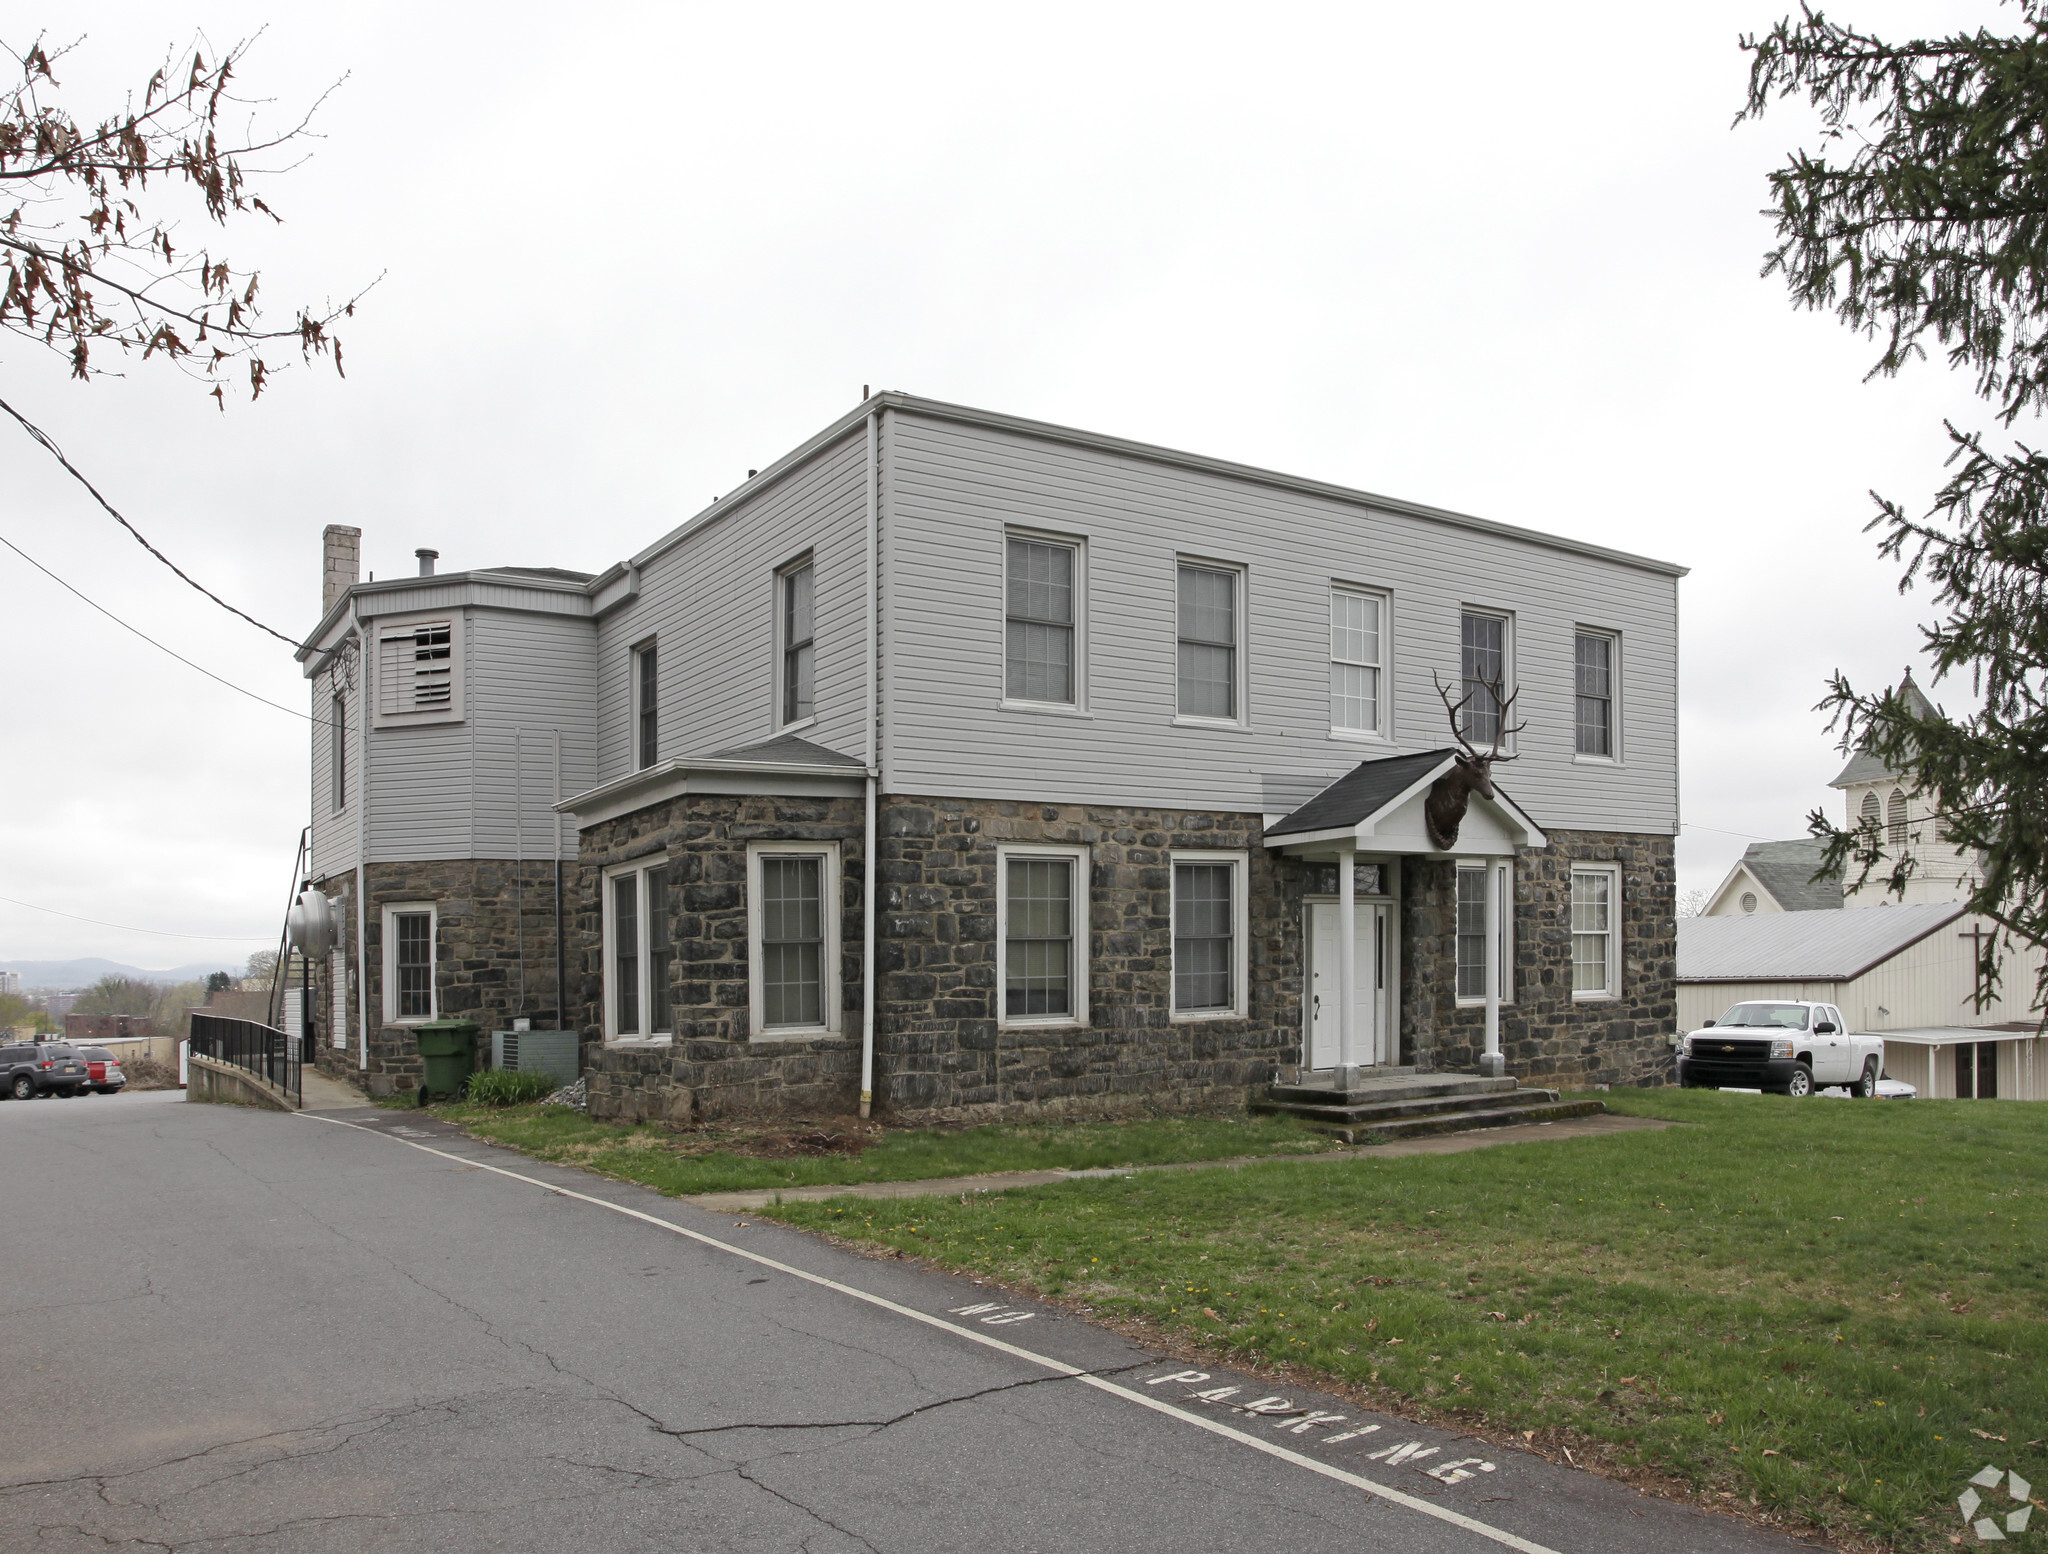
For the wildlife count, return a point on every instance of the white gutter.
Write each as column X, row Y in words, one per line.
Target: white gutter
column 869, row 870
column 363, row 656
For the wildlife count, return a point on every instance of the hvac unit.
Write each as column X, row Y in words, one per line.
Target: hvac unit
column 554, row 1053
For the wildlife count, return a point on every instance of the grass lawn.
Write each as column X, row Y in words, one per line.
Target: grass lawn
column 732, row 1159
column 1833, row 1310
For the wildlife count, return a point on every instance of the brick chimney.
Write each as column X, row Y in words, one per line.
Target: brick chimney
column 341, row 563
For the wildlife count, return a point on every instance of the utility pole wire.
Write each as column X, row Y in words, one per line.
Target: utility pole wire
column 161, row 933
column 152, row 641
column 58, row 454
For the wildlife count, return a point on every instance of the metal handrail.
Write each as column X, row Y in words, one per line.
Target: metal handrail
column 254, row 1047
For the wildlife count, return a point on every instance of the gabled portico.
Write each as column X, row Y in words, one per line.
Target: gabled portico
column 1375, row 815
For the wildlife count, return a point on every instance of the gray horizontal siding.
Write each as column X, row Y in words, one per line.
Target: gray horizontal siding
column 951, row 489
column 529, row 676
column 334, row 832
column 709, row 601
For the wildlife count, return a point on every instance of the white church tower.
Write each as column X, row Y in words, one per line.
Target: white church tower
column 1872, row 791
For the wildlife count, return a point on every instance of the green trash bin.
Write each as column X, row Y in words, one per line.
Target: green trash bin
column 448, row 1055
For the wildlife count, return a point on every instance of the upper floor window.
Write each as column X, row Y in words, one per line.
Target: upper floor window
column 646, row 705
column 1895, row 818
column 1357, row 646
column 1208, row 642
column 409, row 992
column 337, row 751
column 797, row 654
column 1483, row 668
column 1871, row 813
column 1593, row 710
column 419, row 672
column 1039, row 656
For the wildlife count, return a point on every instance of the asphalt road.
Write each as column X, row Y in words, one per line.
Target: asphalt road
column 238, row 1330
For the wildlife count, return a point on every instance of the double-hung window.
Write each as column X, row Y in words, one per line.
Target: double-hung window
column 1040, row 588
column 1210, row 952
column 795, row 607
column 637, row 951
column 1042, row 935
column 646, row 705
column 409, row 992
column 1471, row 908
column 1593, row 668
column 1357, row 659
column 1210, row 664
column 1596, row 933
column 1483, row 670
column 793, row 939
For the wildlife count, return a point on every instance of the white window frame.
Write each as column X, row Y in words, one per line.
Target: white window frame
column 1240, row 650
column 1240, row 934
column 1384, row 730
column 829, row 892
column 1614, row 918
column 392, row 910
column 1082, row 1011
column 1504, row 882
column 382, row 629
column 1614, row 721
column 636, row 694
column 1078, row 544
column 637, row 868
column 783, row 573
column 1507, row 660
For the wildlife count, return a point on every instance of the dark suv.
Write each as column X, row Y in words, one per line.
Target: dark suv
column 41, row 1068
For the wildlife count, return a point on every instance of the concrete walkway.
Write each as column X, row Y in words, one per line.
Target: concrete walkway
column 328, row 1095
column 998, row 1181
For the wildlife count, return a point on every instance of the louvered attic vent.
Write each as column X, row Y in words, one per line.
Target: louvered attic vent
column 418, row 679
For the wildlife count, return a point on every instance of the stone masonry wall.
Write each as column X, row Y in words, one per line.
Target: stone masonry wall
column 494, row 957
column 712, row 1066
column 1546, row 1036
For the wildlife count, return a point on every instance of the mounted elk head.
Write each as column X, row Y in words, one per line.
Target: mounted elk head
column 1443, row 811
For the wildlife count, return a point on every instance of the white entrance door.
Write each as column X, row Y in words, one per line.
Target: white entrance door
column 1374, row 1037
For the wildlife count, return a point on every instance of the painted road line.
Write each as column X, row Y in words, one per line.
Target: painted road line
column 988, row 1340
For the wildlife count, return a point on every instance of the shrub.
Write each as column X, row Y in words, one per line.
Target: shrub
column 508, row 1087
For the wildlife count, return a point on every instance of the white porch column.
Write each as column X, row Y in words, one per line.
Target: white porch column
column 1492, row 1063
column 1347, row 967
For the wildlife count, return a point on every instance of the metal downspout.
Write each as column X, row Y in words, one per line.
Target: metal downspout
column 561, row 951
column 869, row 868
column 355, row 610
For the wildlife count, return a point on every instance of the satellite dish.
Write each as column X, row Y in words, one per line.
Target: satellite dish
column 310, row 925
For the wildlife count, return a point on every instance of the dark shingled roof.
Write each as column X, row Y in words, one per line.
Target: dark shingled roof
column 1786, row 870
column 788, row 750
column 1364, row 790
column 1865, row 767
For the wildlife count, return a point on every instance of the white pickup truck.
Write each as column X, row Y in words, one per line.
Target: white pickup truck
column 1787, row 1048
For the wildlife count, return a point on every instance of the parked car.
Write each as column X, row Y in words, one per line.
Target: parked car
column 102, row 1072
column 29, row 1069
column 1783, row 1046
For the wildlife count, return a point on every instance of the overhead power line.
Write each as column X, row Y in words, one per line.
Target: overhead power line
column 162, row 933
column 58, row 454
column 146, row 637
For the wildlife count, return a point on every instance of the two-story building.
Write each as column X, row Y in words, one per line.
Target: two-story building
column 994, row 767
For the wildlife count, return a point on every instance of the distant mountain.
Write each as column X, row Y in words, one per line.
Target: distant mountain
column 71, row 975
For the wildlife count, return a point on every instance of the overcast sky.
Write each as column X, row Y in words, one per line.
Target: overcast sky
column 1497, row 258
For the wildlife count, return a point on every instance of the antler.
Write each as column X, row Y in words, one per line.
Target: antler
column 1503, row 704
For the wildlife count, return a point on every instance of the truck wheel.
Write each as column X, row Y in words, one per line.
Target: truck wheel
column 1866, row 1087
column 1801, row 1082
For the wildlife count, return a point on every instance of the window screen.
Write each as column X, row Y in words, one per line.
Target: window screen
column 1594, row 656
column 1202, row 930
column 1038, row 944
column 414, row 963
column 1354, row 661
column 1038, row 639
column 792, row 941
column 1208, row 642
column 797, row 702
column 1483, row 663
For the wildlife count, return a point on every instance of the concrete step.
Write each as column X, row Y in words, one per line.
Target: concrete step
column 1462, row 1121
column 1406, row 1088
column 1368, row 1110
